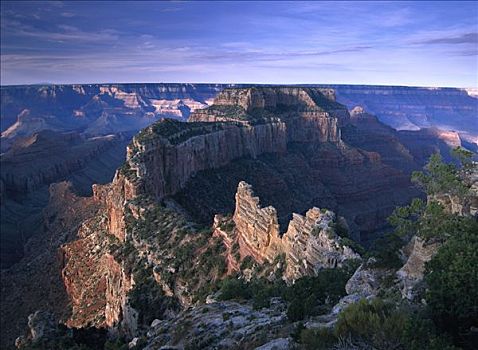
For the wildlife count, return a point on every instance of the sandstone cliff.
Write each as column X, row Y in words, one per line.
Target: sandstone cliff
column 309, row 244
column 311, row 115
column 165, row 163
column 35, row 282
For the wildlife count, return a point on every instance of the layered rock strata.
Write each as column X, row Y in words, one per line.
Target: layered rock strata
column 98, row 109
column 309, row 243
column 96, row 283
column 165, row 164
column 311, row 115
column 163, row 157
column 42, row 158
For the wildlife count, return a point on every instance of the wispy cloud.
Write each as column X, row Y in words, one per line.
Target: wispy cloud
column 67, row 14
column 60, row 32
column 466, row 38
column 386, row 42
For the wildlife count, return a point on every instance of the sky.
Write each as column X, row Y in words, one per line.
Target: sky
column 386, row 43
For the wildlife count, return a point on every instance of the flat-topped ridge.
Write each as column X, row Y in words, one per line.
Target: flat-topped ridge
column 279, row 99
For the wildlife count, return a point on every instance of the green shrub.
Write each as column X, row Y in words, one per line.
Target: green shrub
column 233, row 288
column 315, row 295
column 420, row 333
column 296, row 310
column 440, row 177
column 376, row 322
column 383, row 325
column 452, row 278
column 247, row 263
column 385, row 251
column 116, row 345
column 317, row 339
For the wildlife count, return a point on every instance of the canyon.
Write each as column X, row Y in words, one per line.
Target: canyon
column 116, row 111
column 33, row 163
column 181, row 210
column 99, row 109
column 96, row 109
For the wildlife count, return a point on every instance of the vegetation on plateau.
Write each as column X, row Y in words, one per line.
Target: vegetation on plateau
column 447, row 319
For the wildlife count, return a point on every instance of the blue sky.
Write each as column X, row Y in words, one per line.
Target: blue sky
column 390, row 43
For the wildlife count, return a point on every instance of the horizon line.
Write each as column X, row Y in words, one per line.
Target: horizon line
column 234, row 83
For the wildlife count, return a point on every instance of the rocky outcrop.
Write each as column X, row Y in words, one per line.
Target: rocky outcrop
column 309, row 244
column 257, row 227
column 95, row 281
column 218, row 325
column 176, row 151
column 240, row 123
column 113, row 198
column 365, row 282
column 311, row 114
column 412, row 272
column 41, row 326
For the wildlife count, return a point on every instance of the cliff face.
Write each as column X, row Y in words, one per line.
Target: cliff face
column 412, row 108
column 113, row 198
column 35, row 282
column 110, row 108
column 35, row 162
column 413, row 271
column 97, row 108
column 96, row 283
column 163, row 157
column 41, row 159
column 308, row 245
column 424, row 142
column 165, row 166
column 311, row 115
column 257, row 227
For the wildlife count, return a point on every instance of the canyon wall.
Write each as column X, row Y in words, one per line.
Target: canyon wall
column 96, row 283
column 48, row 156
column 109, row 108
column 414, row 108
column 44, row 158
column 164, row 167
column 163, row 157
column 311, row 114
column 96, row 109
